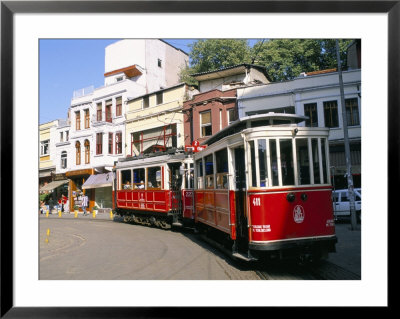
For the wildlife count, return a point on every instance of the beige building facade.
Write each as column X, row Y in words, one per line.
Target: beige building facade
column 154, row 122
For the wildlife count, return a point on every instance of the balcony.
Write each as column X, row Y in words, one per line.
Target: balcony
column 82, row 92
column 104, row 120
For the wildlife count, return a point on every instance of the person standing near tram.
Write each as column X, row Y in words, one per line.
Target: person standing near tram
column 85, row 202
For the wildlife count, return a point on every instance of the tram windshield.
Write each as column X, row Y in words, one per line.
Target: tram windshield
column 288, row 161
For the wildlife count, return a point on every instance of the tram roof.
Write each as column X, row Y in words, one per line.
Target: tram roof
column 153, row 158
column 256, row 120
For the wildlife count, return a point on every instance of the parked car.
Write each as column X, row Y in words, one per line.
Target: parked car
column 341, row 202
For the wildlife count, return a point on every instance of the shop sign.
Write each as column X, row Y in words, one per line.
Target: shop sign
column 80, row 172
column 59, row 177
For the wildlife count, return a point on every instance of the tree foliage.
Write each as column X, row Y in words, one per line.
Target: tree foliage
column 284, row 59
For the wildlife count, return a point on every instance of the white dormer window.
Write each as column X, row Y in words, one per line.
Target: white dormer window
column 119, row 78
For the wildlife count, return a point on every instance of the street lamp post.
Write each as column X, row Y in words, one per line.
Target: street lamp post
column 346, row 144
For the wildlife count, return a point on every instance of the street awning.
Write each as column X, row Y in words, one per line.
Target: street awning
column 99, row 180
column 53, row 185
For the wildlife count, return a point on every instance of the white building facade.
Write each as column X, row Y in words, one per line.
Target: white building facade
column 317, row 96
column 93, row 137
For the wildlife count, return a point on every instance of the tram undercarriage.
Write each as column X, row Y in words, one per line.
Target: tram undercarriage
column 143, row 218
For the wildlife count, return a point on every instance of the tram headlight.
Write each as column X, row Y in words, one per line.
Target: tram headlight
column 290, row 197
column 304, row 197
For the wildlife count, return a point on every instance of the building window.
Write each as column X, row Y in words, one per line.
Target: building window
column 110, row 143
column 108, row 111
column 61, row 136
column 206, row 129
column 231, row 115
column 146, row 103
column 118, row 107
column 99, row 143
column 87, row 118
column 352, row 114
column 120, row 78
column 99, row 111
column 44, row 147
column 159, row 97
column 87, row 152
column 78, row 120
column 78, row 152
column 310, row 110
column 63, row 159
column 118, row 143
column 66, row 136
column 331, row 114
column 159, row 63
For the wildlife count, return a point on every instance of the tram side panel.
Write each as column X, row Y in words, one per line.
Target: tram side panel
column 212, row 207
column 273, row 217
column 143, row 200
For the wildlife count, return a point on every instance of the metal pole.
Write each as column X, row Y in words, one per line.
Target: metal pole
column 346, row 144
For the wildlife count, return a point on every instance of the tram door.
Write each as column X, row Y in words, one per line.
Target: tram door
column 176, row 193
column 240, row 178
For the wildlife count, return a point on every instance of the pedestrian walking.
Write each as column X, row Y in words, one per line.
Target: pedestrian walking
column 85, row 202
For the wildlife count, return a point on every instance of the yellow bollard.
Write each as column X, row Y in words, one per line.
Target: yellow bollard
column 48, row 232
column 47, row 213
column 94, row 214
column 111, row 215
column 76, row 214
column 47, row 240
column 59, row 213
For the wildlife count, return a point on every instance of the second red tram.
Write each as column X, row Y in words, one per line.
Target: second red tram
column 261, row 188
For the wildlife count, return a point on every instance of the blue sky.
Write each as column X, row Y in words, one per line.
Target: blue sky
column 66, row 65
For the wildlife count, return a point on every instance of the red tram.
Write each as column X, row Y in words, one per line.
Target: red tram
column 261, row 189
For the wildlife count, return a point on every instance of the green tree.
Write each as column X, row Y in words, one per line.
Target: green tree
column 213, row 54
column 285, row 59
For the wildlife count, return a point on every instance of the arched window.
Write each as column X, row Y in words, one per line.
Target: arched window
column 63, row 159
column 78, row 153
column 87, row 152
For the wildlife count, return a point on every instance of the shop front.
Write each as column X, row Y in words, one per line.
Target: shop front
column 52, row 192
column 100, row 185
column 76, row 180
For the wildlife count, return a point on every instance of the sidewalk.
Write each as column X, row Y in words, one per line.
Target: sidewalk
column 348, row 247
column 80, row 215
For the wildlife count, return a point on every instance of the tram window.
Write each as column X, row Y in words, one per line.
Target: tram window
column 199, row 172
column 191, row 176
column 315, row 155
column 324, row 167
column 253, row 164
column 274, row 162
column 303, row 162
column 287, row 168
column 222, row 168
column 209, row 168
column 154, row 177
column 138, row 178
column 126, row 179
column 262, row 159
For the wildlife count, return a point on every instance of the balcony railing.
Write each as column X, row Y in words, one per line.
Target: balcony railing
column 94, row 119
column 83, row 92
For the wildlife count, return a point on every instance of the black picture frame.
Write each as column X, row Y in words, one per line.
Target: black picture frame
column 9, row 8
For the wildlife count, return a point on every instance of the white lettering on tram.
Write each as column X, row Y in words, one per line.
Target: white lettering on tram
column 330, row 223
column 256, row 201
column 261, row 228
